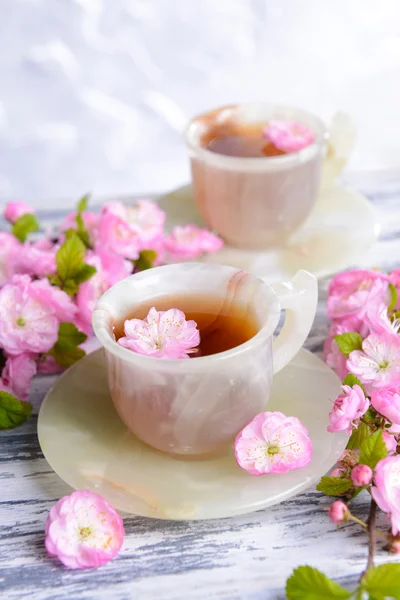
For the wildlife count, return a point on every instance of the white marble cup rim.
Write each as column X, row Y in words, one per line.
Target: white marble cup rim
column 194, row 130
column 106, row 312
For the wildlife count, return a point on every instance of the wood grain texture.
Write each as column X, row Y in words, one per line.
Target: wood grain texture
column 247, row 557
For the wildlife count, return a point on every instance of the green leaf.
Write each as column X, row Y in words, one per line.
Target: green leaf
column 82, row 232
column 83, row 203
column 66, row 358
column 393, row 297
column 70, row 258
column 13, row 412
column 145, row 260
column 70, row 287
column 65, row 351
column 351, row 380
column 348, row 342
column 69, row 336
column 24, row 226
column 307, row 583
column 86, row 272
column 383, row 581
column 358, row 436
column 334, row 486
column 373, row 449
column 55, row 280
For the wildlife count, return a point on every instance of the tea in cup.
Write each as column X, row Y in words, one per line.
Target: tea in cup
column 197, row 405
column 247, row 190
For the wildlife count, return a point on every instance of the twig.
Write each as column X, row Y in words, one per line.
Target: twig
column 371, row 522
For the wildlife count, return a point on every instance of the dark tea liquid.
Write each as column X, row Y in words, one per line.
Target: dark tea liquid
column 221, row 328
column 234, row 139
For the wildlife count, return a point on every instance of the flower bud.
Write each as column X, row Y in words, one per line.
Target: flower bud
column 361, row 475
column 338, row 512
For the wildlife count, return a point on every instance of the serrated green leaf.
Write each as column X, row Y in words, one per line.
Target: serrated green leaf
column 13, row 412
column 86, row 272
column 145, row 260
column 373, row 449
column 70, row 258
column 334, row 486
column 351, row 380
column 348, row 342
column 69, row 336
column 383, row 582
column 393, row 297
column 66, row 358
column 358, row 436
column 25, row 225
column 307, row 583
column 83, row 203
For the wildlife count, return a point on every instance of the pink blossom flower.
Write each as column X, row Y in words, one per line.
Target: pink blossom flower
column 57, row 300
column 164, row 334
column 395, row 280
column 390, row 442
column 14, row 210
column 189, row 241
column 48, row 365
column 377, row 319
column 348, row 407
column 350, row 293
column 27, row 322
column 334, row 358
column 273, row 443
column 9, row 246
column 18, row 373
column 110, row 268
column 386, row 491
column 288, row 136
column 83, row 531
column 338, row 512
column 379, row 361
column 31, row 259
column 117, row 236
column 387, row 402
column 361, row 475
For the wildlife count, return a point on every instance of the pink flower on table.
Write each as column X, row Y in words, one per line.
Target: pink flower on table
column 189, row 241
column 288, row 136
column 117, row 236
column 386, row 491
column 48, row 366
column 379, row 361
column 110, row 268
column 58, row 301
column 14, row 210
column 18, row 373
column 27, row 322
column 390, row 442
column 9, row 246
column 338, row 512
column 377, row 319
column 273, row 443
column 361, row 475
column 387, row 402
column 31, row 259
column 334, row 358
column 350, row 293
column 83, row 531
column 348, row 407
column 164, row 334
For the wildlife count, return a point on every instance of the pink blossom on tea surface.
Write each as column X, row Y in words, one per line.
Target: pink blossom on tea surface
column 83, row 531
column 273, row 443
column 162, row 334
column 347, row 408
column 288, row 136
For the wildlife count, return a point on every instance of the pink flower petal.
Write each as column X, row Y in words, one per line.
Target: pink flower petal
column 288, row 136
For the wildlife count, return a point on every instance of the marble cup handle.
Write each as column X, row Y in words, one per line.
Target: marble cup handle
column 299, row 298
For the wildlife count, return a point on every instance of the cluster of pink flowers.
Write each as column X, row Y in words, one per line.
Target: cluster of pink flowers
column 49, row 284
column 363, row 347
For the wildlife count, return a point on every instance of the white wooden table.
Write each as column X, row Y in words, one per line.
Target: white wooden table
column 247, row 557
